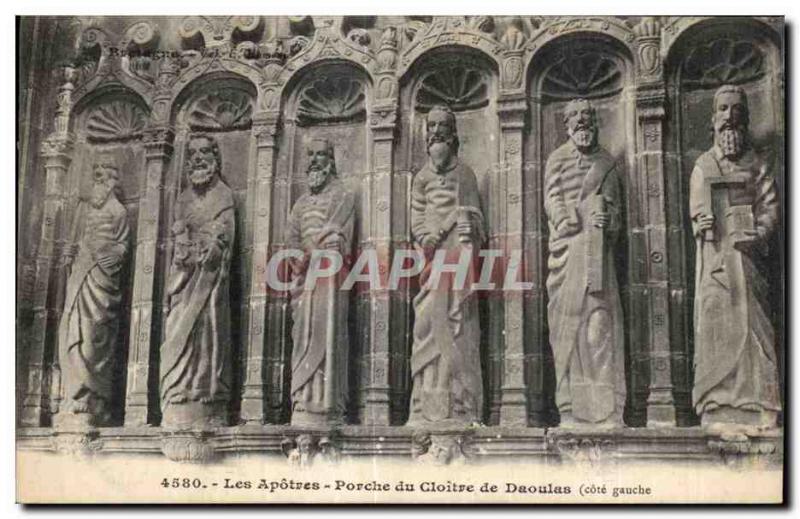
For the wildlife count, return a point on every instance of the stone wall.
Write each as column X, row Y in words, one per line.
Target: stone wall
column 264, row 86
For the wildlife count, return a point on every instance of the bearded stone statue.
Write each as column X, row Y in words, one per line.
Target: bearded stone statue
column 446, row 219
column 322, row 221
column 195, row 356
column 87, row 335
column 734, row 211
column 582, row 203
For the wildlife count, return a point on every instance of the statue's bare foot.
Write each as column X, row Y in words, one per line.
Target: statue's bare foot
column 206, row 399
column 80, row 407
column 728, row 432
column 178, row 399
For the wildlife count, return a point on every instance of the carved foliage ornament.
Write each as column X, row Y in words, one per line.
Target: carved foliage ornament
column 723, row 61
column 330, row 100
column 217, row 30
column 461, row 87
column 222, row 110
column 582, row 72
column 115, row 121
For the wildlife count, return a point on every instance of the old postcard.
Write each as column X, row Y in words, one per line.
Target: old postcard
column 400, row 259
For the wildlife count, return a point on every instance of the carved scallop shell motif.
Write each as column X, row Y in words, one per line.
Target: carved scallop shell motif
column 457, row 86
column 582, row 72
column 721, row 62
column 329, row 100
column 115, row 121
column 223, row 110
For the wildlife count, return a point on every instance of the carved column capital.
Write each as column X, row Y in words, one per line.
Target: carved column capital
column 58, row 147
column 383, row 120
column 158, row 141
column 651, row 101
column 511, row 109
column 266, row 127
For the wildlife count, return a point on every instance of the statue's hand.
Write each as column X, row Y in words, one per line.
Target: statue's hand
column 430, row 241
column 600, row 220
column 705, row 222
column 69, row 254
column 109, row 261
column 333, row 242
column 567, row 228
column 212, row 257
column 465, row 228
column 745, row 240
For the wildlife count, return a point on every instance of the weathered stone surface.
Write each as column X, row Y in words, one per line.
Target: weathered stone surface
column 734, row 211
column 321, row 229
column 195, row 371
column 265, row 90
column 583, row 202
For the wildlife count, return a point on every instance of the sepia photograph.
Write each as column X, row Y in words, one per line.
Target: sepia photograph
column 400, row 259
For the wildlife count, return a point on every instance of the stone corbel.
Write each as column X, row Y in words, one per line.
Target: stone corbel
column 308, row 449
column 439, row 448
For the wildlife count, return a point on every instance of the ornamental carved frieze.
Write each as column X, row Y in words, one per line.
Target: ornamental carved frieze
column 216, row 31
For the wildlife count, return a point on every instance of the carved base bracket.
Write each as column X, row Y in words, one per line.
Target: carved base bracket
column 475, row 446
column 189, row 446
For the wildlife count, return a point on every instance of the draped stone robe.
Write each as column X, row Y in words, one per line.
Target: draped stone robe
column 447, row 386
column 88, row 329
column 586, row 327
column 736, row 371
column 319, row 313
column 195, row 355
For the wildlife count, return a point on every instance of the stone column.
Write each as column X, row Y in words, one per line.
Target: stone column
column 512, row 108
column 260, row 183
column 56, row 152
column 650, row 109
column 57, row 155
column 377, row 218
column 148, row 281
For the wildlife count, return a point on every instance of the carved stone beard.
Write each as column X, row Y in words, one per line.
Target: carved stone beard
column 202, row 175
column 441, row 150
column 731, row 140
column 584, row 136
column 100, row 192
column 318, row 176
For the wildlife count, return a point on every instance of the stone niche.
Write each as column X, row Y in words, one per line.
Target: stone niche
column 467, row 82
column 600, row 69
column 109, row 125
column 220, row 105
column 264, row 87
column 699, row 61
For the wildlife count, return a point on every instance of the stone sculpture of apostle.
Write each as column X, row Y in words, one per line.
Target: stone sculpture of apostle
column 582, row 203
column 321, row 220
column 734, row 211
column 87, row 335
column 195, row 356
column 446, row 217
